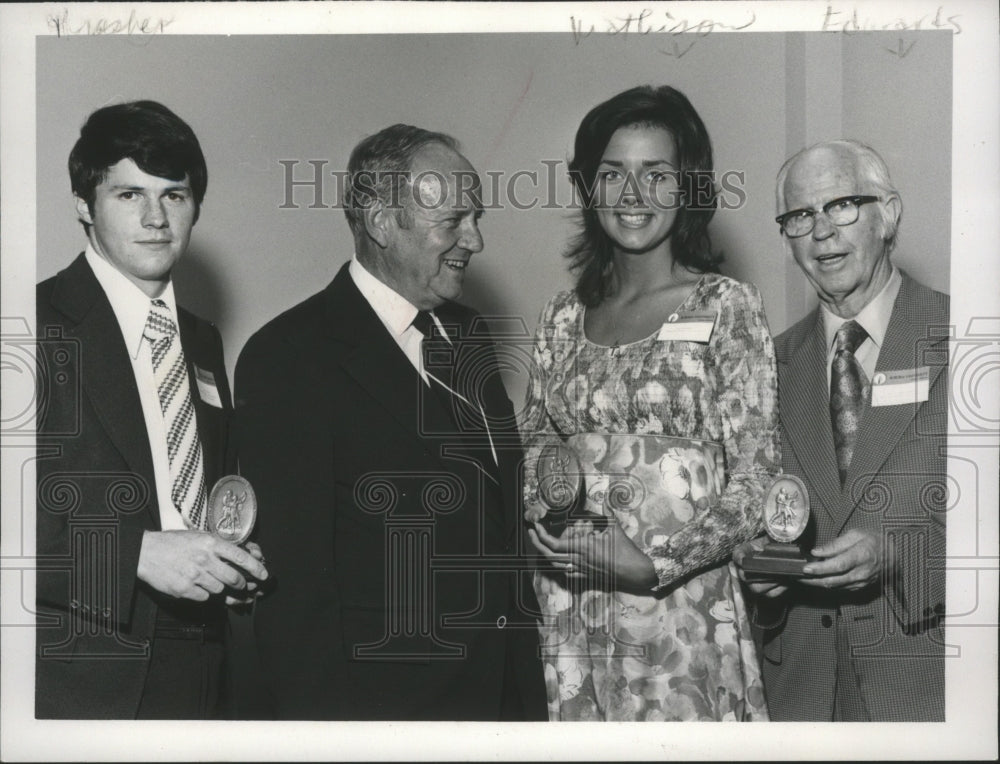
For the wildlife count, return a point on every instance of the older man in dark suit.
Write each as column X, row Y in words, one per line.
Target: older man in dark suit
column 863, row 396
column 131, row 431
column 373, row 423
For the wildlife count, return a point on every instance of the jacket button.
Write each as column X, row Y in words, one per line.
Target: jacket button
column 106, row 612
column 827, row 621
column 74, row 604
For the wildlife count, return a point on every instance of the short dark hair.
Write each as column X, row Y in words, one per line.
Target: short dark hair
column 590, row 252
column 379, row 166
column 148, row 133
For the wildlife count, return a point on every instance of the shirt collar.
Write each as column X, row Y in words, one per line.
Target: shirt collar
column 130, row 304
column 874, row 317
column 394, row 310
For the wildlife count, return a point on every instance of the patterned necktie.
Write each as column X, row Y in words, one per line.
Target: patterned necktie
column 187, row 472
column 850, row 392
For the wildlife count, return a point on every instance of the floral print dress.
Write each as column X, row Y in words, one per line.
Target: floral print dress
column 684, row 650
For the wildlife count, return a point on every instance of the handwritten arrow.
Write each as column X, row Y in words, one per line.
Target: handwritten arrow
column 677, row 52
column 903, row 48
column 578, row 31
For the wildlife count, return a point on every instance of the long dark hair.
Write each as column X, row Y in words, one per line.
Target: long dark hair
column 590, row 252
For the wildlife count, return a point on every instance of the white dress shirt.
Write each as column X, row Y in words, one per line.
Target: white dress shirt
column 874, row 319
column 131, row 307
column 396, row 313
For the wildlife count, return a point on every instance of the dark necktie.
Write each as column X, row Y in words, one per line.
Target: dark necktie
column 187, row 472
column 463, row 412
column 441, row 383
column 423, row 322
column 850, row 391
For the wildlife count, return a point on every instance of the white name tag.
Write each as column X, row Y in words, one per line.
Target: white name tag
column 693, row 326
column 894, row 388
column 207, row 389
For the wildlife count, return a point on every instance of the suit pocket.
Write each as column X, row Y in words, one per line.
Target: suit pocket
column 371, row 635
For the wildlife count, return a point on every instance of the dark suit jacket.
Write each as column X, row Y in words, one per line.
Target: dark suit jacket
column 896, row 488
column 394, row 552
column 97, row 496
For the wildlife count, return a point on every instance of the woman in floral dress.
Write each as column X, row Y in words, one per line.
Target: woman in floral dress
column 644, row 619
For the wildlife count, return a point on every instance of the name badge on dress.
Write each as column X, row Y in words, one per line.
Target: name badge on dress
column 894, row 388
column 208, row 391
column 689, row 326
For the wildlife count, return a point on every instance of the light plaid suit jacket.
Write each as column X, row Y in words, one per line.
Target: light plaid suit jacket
column 897, row 488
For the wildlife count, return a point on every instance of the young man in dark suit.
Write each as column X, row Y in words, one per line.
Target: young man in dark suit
column 864, row 412
column 374, row 425
column 132, row 425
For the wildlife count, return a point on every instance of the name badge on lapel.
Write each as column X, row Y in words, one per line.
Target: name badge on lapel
column 894, row 388
column 689, row 326
column 207, row 389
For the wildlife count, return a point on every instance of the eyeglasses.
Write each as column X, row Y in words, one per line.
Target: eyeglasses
column 841, row 211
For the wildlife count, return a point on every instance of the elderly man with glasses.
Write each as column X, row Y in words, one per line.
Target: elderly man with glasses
column 859, row 635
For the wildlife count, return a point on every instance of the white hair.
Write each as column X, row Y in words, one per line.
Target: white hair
column 873, row 172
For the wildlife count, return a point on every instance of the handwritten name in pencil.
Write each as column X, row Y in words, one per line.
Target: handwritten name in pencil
column 134, row 24
column 848, row 21
column 648, row 21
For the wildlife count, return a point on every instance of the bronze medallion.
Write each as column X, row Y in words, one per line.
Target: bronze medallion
column 232, row 509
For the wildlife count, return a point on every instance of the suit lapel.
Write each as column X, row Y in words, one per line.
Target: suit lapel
column 474, row 376
column 906, row 339
column 384, row 372
column 106, row 373
column 468, row 376
column 211, row 419
column 805, row 416
column 507, row 444
column 375, row 361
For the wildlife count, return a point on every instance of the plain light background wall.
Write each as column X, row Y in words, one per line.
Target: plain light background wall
column 514, row 102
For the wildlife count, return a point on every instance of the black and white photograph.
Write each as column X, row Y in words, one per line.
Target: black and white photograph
column 401, row 380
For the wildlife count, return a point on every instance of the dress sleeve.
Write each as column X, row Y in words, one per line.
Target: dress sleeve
column 537, row 427
column 742, row 378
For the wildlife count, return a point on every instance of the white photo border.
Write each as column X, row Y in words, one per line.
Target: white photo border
column 975, row 273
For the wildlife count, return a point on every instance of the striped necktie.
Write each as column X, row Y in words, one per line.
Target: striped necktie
column 187, row 472
column 850, row 391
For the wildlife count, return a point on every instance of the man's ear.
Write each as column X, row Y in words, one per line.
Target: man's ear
column 83, row 210
column 378, row 222
column 895, row 207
